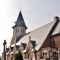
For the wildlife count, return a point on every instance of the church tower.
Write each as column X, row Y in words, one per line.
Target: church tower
column 19, row 28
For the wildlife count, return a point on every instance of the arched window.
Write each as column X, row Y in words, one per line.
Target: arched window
column 44, row 54
column 16, row 30
column 22, row 30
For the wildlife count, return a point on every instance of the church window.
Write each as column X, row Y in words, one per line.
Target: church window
column 44, row 54
column 22, row 30
column 16, row 30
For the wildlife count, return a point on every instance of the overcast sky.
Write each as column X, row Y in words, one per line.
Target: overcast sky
column 35, row 12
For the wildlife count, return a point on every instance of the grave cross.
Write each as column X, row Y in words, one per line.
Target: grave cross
column 4, row 44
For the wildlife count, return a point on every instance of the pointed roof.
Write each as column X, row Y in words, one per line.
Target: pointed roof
column 24, row 45
column 17, row 47
column 33, row 43
column 20, row 21
column 7, row 49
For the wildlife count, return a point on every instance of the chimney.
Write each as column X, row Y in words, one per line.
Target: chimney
column 56, row 18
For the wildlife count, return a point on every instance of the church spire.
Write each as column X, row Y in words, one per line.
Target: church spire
column 19, row 29
column 20, row 21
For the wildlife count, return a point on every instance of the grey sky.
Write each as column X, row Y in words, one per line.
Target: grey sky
column 35, row 12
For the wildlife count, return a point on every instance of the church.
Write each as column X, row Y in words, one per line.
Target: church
column 42, row 43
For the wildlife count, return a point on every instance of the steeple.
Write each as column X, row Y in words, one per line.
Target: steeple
column 20, row 27
column 20, row 21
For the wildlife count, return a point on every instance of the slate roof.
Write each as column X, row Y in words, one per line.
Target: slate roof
column 20, row 21
column 39, row 35
column 7, row 49
column 24, row 45
column 19, row 37
column 33, row 43
column 17, row 47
